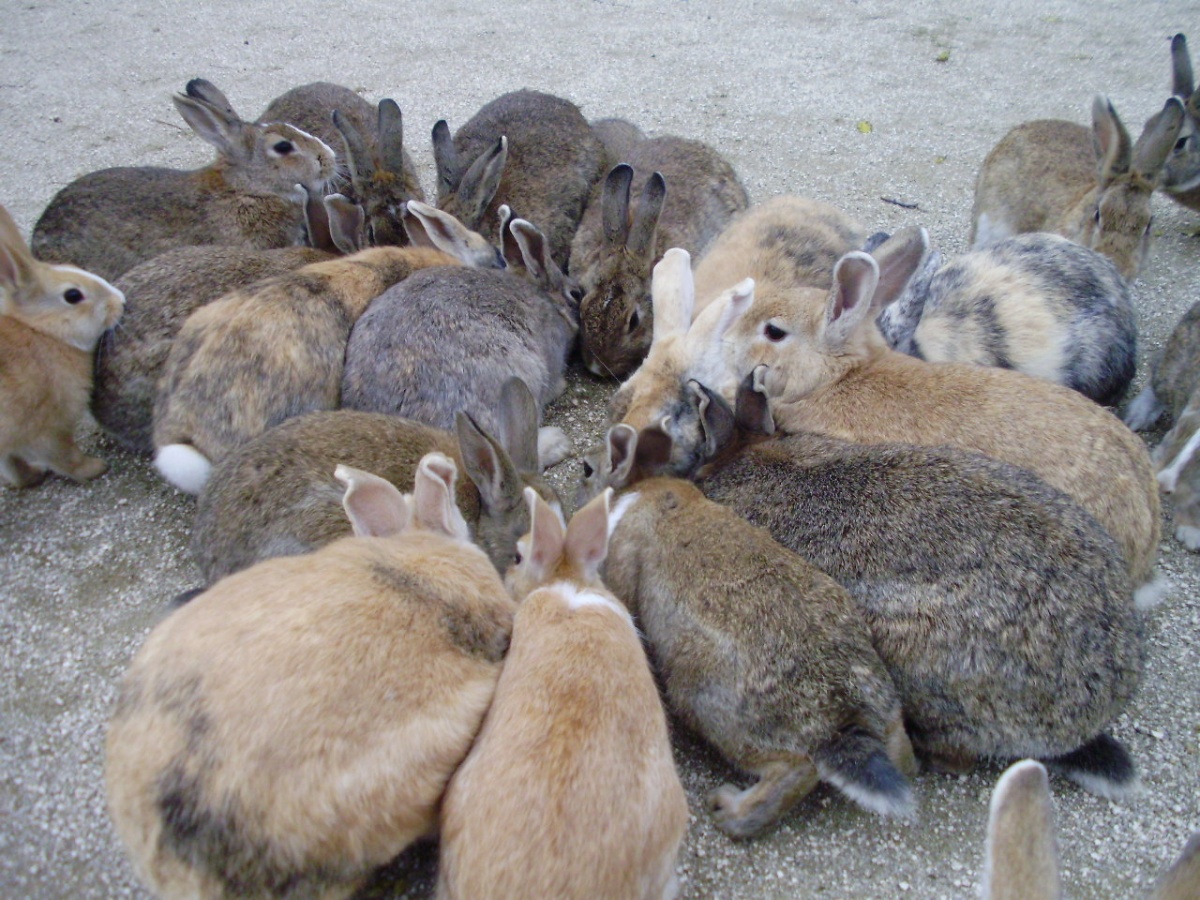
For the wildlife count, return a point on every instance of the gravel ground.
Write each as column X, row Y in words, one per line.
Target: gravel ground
column 851, row 102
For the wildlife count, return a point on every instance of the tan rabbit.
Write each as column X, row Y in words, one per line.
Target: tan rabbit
column 111, row 220
column 1021, row 854
column 294, row 727
column 831, row 372
column 51, row 318
column 760, row 652
column 1091, row 187
column 264, row 354
column 570, row 790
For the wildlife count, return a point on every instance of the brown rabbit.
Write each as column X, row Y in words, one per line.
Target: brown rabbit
column 51, row 318
column 570, row 790
column 276, row 495
column 111, row 220
column 294, row 727
column 264, row 354
column 762, row 653
column 831, row 372
column 1181, row 173
column 1091, row 187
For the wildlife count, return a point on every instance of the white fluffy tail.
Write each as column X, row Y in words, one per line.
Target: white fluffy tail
column 183, row 466
column 1149, row 595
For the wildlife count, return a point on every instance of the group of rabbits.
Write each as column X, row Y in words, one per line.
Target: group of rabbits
column 832, row 556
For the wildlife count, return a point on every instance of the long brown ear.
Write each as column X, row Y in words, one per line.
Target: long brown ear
column 1182, row 880
column 480, row 182
column 488, row 465
column 614, row 204
column 640, row 243
column 1021, row 857
column 16, row 261
column 1111, row 140
column 345, row 220
column 653, row 454
column 519, row 424
column 374, row 506
column 1182, row 80
column 716, row 419
column 586, row 543
column 206, row 91
column 391, row 137
column 1157, row 140
column 445, row 157
column 358, row 158
column 898, row 259
column 215, row 125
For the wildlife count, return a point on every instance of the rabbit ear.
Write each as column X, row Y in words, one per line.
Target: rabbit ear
column 374, row 505
column 345, row 220
column 445, row 157
column 737, row 300
column 614, row 205
column 1157, row 140
column 488, row 465
column 430, row 227
column 546, row 537
column 898, row 259
column 358, row 158
column 206, row 91
column 16, row 262
column 854, row 279
column 480, row 182
column 434, row 507
column 640, row 243
column 535, row 254
column 213, row 124
column 1111, row 140
column 752, row 409
column 586, row 544
column 1182, row 80
column 391, row 136
column 518, row 416
column 653, row 454
column 672, row 294
column 1182, row 880
column 716, row 419
column 1021, row 858
column 621, row 444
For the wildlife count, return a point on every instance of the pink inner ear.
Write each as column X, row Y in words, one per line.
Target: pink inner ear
column 10, row 268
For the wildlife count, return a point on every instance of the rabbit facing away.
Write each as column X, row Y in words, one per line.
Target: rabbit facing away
column 1181, row 173
column 1018, row 637
column 618, row 137
column 1091, row 187
column 447, row 339
column 266, row 353
column 686, row 195
column 110, row 220
column 51, row 319
column 530, row 150
column 1021, row 851
column 831, row 372
column 1036, row 302
column 570, row 790
column 276, row 494
column 760, row 652
column 293, row 728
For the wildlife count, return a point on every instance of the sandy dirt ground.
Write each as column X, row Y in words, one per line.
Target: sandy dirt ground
column 857, row 103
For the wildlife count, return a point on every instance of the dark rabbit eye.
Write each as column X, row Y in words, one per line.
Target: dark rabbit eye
column 73, row 295
column 774, row 333
column 1180, row 144
column 1096, row 217
column 283, row 148
column 634, row 321
column 517, row 558
column 576, row 294
column 587, row 469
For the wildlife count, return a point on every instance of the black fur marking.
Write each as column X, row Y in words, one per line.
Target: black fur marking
column 860, row 759
column 1102, row 757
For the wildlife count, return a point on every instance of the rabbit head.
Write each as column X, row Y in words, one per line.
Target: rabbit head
column 466, row 187
column 1181, row 172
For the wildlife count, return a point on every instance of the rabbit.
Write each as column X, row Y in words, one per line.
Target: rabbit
column 618, row 137
column 528, row 149
column 831, row 372
column 275, row 495
column 293, row 728
column 1021, row 855
column 615, row 249
column 1001, row 609
column 160, row 294
column 570, row 790
column 51, row 318
column 1181, row 173
column 445, row 340
column 110, row 220
column 1034, row 302
column 760, row 652
column 265, row 353
column 1050, row 175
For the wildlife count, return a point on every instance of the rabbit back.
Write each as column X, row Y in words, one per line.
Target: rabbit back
column 160, row 294
column 445, row 340
column 294, row 727
column 1039, row 304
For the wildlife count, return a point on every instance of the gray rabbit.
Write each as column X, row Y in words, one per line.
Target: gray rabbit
column 1181, row 172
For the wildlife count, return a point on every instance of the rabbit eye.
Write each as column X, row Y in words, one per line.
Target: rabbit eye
column 634, row 320
column 774, row 333
column 576, row 294
column 283, row 148
column 517, row 558
column 588, row 471
column 73, row 295
column 1181, row 144
column 1096, row 217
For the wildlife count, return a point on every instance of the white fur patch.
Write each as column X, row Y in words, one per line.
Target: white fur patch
column 1144, row 410
column 553, row 446
column 1168, row 477
column 872, row 802
column 1189, row 536
column 1102, row 787
column 183, row 466
column 577, row 598
column 1150, row 594
column 618, row 510
column 988, row 231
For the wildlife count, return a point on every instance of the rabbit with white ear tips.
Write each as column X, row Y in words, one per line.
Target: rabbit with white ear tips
column 111, row 220
column 570, row 790
column 276, row 496
column 51, row 318
column 1021, row 855
column 761, row 653
column 1018, row 637
column 1181, row 173
column 528, row 149
column 1092, row 187
column 294, row 727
